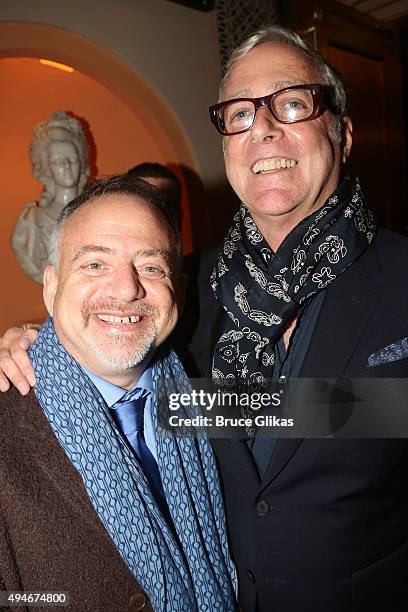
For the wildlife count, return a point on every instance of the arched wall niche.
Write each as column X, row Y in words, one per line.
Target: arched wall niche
column 23, row 300
column 35, row 40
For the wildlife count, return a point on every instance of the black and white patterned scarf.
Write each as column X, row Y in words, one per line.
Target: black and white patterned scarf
column 261, row 291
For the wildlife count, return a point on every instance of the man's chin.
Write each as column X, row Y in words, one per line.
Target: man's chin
column 123, row 354
column 122, row 361
column 273, row 203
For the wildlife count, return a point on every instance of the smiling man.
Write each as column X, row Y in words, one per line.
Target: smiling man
column 305, row 285
column 93, row 502
column 112, row 335
column 288, row 163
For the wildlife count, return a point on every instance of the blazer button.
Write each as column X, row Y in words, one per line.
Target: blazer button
column 138, row 601
column 262, row 507
column 251, row 577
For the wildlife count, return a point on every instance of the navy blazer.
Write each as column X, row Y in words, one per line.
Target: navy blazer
column 326, row 530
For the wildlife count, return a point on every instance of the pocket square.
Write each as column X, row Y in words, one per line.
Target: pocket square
column 393, row 352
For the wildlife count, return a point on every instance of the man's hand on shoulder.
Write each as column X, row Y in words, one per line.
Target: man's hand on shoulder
column 15, row 364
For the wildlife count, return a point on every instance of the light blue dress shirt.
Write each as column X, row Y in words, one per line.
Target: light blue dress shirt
column 112, row 394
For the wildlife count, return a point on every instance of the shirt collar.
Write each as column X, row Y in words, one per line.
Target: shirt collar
column 112, row 393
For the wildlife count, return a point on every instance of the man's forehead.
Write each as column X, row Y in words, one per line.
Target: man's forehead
column 274, row 65
column 110, row 200
column 248, row 92
column 116, row 215
column 118, row 208
column 83, row 250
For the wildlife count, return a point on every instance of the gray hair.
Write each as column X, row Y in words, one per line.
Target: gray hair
column 329, row 76
column 120, row 184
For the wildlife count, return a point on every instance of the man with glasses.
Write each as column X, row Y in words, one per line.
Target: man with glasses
column 305, row 285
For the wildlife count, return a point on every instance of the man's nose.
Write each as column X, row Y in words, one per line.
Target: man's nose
column 126, row 285
column 265, row 127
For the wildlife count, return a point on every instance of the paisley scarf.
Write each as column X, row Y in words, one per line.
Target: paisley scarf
column 261, row 291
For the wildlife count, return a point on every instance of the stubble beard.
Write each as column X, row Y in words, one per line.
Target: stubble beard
column 113, row 357
column 124, row 350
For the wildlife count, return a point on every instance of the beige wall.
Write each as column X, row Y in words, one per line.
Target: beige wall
column 173, row 48
column 34, row 91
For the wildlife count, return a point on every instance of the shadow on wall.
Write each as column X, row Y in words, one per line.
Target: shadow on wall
column 92, row 154
column 211, row 209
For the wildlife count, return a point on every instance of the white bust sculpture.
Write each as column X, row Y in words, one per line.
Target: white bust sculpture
column 59, row 157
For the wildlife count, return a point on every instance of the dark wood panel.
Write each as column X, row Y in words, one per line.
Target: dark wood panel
column 364, row 81
column 367, row 53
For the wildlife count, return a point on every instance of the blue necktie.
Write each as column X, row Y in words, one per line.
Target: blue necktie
column 129, row 417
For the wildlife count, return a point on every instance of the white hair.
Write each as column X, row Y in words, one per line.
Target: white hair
column 329, row 76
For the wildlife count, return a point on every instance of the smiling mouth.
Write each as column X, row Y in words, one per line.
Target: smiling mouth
column 119, row 320
column 266, row 165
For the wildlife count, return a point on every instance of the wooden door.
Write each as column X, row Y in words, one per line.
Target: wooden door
column 367, row 54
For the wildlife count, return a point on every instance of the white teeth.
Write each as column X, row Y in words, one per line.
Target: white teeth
column 118, row 320
column 272, row 164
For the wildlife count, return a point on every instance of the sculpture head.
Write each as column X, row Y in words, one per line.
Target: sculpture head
column 59, row 155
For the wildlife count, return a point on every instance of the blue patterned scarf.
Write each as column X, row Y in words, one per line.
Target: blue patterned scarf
column 201, row 576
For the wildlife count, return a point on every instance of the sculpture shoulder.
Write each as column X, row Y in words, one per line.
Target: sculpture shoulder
column 34, row 216
column 29, row 213
column 30, row 238
column 28, row 226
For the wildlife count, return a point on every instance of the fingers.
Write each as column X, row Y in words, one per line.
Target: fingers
column 4, row 383
column 18, row 353
column 24, row 340
column 15, row 363
column 12, row 334
column 10, row 370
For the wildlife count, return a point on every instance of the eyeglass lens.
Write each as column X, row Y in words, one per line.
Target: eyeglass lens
column 288, row 106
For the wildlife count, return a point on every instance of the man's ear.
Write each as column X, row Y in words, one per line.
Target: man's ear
column 50, row 282
column 347, row 139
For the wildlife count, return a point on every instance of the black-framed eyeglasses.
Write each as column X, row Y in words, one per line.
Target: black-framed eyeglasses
column 289, row 105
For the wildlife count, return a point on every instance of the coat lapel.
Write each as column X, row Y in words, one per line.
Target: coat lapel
column 234, row 457
column 346, row 310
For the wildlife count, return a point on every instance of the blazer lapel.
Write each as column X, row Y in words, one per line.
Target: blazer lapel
column 346, row 310
column 234, row 457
